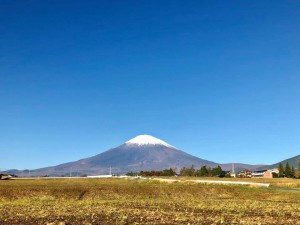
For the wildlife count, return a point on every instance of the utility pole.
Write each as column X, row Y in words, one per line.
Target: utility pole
column 233, row 172
column 110, row 171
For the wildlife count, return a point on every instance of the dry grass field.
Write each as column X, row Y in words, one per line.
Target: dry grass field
column 278, row 182
column 121, row 201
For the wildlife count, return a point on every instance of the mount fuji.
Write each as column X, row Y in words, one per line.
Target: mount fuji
column 143, row 152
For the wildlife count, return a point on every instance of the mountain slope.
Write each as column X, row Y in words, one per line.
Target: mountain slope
column 143, row 152
column 293, row 161
column 239, row 166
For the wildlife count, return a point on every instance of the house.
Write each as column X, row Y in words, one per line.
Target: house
column 5, row 176
column 265, row 173
column 244, row 174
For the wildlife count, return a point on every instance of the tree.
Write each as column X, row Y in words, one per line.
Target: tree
column 209, row 171
column 192, row 170
column 298, row 172
column 288, row 171
column 203, row 171
column 183, row 171
column 281, row 170
column 169, row 172
column 219, row 170
column 187, row 171
column 216, row 171
column 293, row 173
column 132, row 174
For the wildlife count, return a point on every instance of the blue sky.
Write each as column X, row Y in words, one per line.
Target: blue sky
column 217, row 79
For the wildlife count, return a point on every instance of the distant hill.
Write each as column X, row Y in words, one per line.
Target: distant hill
column 294, row 161
column 240, row 166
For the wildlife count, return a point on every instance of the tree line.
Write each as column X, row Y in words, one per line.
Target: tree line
column 166, row 172
column 203, row 171
column 288, row 171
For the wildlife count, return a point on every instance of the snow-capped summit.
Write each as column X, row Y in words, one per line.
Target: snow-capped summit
column 141, row 140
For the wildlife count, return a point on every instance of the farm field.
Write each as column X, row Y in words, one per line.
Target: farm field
column 125, row 201
column 276, row 182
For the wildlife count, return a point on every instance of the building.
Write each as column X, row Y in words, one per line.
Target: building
column 5, row 176
column 244, row 174
column 265, row 173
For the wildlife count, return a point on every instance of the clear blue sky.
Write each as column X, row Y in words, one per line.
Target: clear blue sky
column 217, row 79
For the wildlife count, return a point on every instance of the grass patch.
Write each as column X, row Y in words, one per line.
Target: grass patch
column 121, row 201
